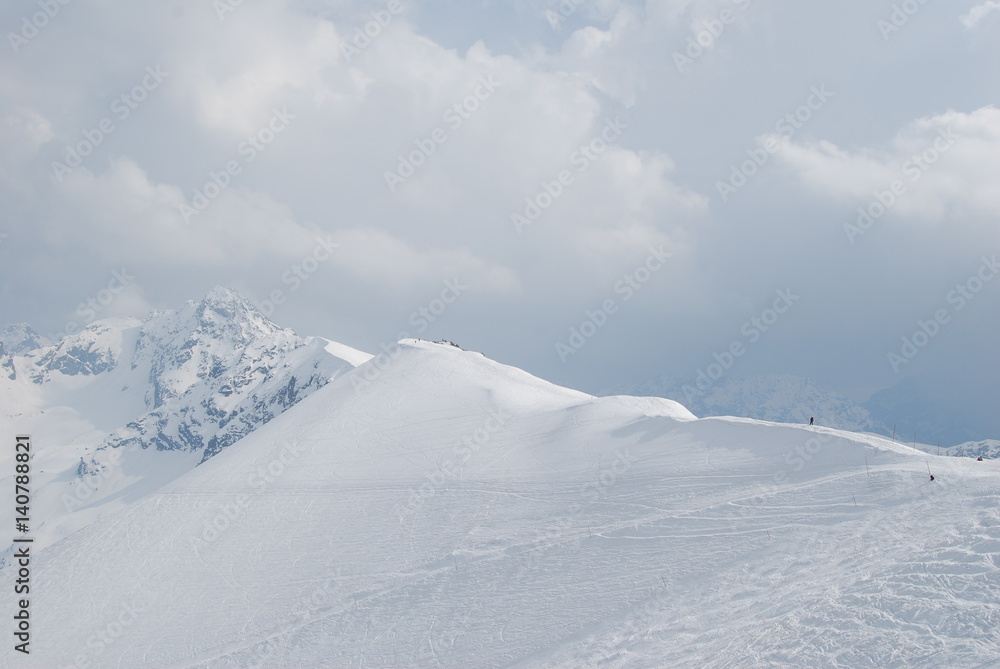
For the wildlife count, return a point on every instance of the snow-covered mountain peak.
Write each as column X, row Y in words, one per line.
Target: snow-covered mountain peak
column 985, row 448
column 191, row 381
column 20, row 338
column 96, row 348
column 204, row 339
column 479, row 378
column 218, row 368
column 225, row 314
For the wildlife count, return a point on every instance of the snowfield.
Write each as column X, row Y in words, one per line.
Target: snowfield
column 438, row 509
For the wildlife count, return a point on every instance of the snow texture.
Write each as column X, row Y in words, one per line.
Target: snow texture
column 434, row 508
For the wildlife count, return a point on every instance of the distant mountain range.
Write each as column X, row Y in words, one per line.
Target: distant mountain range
column 988, row 449
column 131, row 404
column 435, row 508
column 903, row 410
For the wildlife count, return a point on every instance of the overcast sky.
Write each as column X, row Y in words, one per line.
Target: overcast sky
column 667, row 171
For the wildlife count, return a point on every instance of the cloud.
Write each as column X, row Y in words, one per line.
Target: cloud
column 359, row 111
column 944, row 164
column 262, row 57
column 22, row 132
column 122, row 213
column 393, row 265
column 978, row 13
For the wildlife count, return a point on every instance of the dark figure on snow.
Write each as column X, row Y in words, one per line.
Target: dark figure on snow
column 811, row 421
column 979, row 459
column 932, row 477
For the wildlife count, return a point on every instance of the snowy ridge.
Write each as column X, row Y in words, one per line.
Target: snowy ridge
column 95, row 349
column 775, row 397
column 217, row 370
column 20, row 338
column 449, row 511
column 988, row 448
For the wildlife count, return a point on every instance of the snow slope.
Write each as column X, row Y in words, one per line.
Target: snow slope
column 438, row 509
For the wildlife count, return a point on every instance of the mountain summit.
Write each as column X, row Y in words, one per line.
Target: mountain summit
column 216, row 370
column 190, row 382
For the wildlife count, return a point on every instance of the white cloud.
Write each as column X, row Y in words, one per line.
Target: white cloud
column 395, row 266
column 946, row 163
column 122, row 214
column 261, row 58
column 978, row 13
column 654, row 185
column 28, row 127
column 22, row 132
